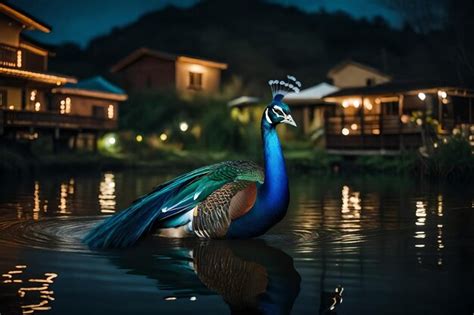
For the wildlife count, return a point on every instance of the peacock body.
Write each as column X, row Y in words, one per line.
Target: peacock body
column 232, row 199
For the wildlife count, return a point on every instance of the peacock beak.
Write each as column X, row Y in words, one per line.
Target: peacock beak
column 289, row 120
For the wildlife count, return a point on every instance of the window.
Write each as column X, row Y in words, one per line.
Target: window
column 98, row 112
column 195, row 81
column 390, row 108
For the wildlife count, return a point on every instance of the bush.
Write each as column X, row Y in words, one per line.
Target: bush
column 452, row 160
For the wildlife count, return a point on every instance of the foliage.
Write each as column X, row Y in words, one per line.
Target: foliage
column 452, row 160
column 404, row 163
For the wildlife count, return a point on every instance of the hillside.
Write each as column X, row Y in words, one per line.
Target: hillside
column 260, row 40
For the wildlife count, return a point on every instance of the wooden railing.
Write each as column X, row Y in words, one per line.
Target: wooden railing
column 13, row 118
column 8, row 56
column 370, row 132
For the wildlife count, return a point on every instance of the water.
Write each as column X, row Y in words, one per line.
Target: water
column 396, row 246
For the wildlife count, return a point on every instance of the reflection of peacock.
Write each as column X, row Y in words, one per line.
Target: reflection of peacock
column 233, row 199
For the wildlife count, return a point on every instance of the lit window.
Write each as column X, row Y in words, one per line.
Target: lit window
column 68, row 105
column 195, row 81
column 110, row 112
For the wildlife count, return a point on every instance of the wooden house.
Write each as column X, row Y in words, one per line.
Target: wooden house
column 381, row 119
column 146, row 70
column 350, row 73
column 29, row 107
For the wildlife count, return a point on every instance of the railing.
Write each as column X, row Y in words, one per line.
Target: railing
column 8, row 56
column 370, row 132
column 12, row 118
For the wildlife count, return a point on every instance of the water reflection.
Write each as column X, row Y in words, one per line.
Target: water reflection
column 30, row 295
column 250, row 275
column 107, row 194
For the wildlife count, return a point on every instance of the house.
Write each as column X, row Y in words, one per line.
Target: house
column 350, row 74
column 390, row 117
column 308, row 107
column 35, row 102
column 146, row 70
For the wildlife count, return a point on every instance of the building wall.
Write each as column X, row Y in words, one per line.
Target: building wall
column 352, row 75
column 13, row 97
column 211, row 77
column 148, row 73
column 84, row 106
column 10, row 31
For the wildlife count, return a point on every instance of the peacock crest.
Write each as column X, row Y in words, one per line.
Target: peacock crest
column 280, row 87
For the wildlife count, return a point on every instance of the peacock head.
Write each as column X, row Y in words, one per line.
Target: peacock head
column 277, row 111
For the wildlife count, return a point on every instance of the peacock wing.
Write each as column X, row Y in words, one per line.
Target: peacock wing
column 212, row 217
column 168, row 201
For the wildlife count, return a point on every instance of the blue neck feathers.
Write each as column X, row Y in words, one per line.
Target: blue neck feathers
column 273, row 195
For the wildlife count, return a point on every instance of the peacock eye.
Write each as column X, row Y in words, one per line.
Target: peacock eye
column 279, row 112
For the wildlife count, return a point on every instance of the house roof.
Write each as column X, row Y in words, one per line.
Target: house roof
column 243, row 101
column 50, row 78
column 310, row 95
column 338, row 67
column 139, row 53
column 31, row 22
column 97, row 87
column 397, row 87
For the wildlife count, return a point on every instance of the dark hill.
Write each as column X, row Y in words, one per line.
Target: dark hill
column 260, row 40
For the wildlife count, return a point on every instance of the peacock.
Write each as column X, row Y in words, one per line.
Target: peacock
column 227, row 200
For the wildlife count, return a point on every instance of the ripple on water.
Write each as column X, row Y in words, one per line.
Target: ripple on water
column 58, row 233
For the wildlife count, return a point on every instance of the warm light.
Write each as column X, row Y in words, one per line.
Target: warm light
column 354, row 126
column 405, row 119
column 139, row 138
column 19, row 62
column 435, row 145
column 183, row 126
column 375, row 131
column 356, row 103
column 163, row 137
column 33, row 95
column 11, row 107
column 419, row 122
column 345, row 131
column 345, row 104
column 422, row 96
column 37, row 106
column 367, row 104
column 445, row 101
column 111, row 140
column 442, row 94
column 110, row 111
column 377, row 101
column 62, row 107
column 68, row 105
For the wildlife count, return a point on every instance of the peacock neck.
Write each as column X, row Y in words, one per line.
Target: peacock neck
column 274, row 190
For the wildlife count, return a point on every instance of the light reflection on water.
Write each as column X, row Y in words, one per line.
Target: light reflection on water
column 385, row 239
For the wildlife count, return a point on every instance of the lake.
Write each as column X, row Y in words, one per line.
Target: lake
column 391, row 245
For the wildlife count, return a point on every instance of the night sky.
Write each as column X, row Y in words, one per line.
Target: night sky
column 80, row 21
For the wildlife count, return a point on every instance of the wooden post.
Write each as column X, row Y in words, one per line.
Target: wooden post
column 362, row 122
column 381, row 131
column 400, row 124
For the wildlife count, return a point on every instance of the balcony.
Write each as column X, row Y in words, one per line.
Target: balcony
column 21, row 59
column 51, row 120
column 371, row 132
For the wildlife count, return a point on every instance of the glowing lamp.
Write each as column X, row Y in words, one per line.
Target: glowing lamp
column 139, row 138
column 183, row 126
column 345, row 131
column 422, row 96
column 163, row 137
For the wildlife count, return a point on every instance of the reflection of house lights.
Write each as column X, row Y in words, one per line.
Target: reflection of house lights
column 345, row 131
column 107, row 194
column 422, row 96
column 163, row 137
